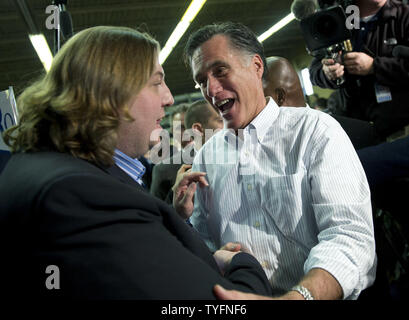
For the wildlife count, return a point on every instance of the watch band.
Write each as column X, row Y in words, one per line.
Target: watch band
column 303, row 291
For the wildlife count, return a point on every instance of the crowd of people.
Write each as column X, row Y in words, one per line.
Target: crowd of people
column 263, row 197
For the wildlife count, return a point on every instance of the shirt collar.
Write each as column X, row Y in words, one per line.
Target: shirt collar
column 131, row 166
column 263, row 121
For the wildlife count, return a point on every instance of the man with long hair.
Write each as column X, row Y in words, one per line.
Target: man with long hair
column 74, row 219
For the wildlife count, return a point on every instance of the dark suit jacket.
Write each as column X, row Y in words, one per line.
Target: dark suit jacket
column 387, row 168
column 361, row 133
column 4, row 157
column 147, row 177
column 164, row 176
column 108, row 237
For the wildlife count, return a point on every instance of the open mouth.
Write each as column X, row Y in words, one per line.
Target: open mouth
column 224, row 105
column 158, row 121
column 161, row 118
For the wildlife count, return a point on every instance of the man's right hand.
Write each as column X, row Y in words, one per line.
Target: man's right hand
column 332, row 70
column 223, row 294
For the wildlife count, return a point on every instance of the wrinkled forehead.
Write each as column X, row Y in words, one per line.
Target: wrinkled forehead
column 197, row 63
column 215, row 50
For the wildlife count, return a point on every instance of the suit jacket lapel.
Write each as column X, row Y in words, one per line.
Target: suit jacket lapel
column 186, row 234
column 123, row 176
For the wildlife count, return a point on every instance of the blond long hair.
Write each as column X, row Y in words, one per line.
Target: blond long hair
column 75, row 107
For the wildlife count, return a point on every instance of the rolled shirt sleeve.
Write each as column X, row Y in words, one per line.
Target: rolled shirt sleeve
column 343, row 213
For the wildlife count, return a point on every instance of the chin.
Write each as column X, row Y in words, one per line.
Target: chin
column 232, row 125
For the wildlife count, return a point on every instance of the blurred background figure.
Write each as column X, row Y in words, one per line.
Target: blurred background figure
column 321, row 105
column 376, row 81
column 177, row 127
column 201, row 119
column 282, row 83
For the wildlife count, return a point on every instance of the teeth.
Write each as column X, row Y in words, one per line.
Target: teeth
column 220, row 103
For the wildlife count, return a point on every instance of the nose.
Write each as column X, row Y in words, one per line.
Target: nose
column 213, row 87
column 168, row 98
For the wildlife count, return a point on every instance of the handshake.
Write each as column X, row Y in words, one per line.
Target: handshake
column 357, row 63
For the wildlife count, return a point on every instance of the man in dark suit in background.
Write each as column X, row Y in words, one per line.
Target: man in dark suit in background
column 74, row 219
column 4, row 157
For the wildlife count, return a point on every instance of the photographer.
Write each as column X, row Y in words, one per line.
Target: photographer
column 375, row 87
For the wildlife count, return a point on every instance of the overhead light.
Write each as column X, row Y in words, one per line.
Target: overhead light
column 280, row 24
column 180, row 29
column 43, row 50
column 305, row 76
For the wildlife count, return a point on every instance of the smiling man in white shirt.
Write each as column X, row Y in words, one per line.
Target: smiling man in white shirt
column 292, row 191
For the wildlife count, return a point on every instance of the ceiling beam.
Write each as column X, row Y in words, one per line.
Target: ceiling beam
column 27, row 16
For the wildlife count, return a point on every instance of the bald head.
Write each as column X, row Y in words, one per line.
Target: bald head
column 283, row 84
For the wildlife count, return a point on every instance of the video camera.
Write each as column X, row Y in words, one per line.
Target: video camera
column 323, row 25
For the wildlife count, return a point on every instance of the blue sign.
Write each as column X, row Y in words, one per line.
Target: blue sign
column 8, row 113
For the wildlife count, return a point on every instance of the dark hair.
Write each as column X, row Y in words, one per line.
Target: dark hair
column 321, row 102
column 200, row 111
column 240, row 36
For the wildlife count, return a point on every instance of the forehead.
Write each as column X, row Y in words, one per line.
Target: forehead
column 157, row 69
column 216, row 50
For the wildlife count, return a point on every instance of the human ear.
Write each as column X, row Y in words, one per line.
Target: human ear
column 197, row 126
column 258, row 64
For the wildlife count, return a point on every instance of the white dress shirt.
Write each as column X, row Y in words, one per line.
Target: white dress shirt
column 294, row 193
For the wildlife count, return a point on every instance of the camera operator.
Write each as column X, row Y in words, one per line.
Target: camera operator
column 375, row 87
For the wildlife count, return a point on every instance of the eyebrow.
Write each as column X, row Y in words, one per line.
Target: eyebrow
column 159, row 73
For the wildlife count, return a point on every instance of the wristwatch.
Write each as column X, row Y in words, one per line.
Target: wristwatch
column 303, row 291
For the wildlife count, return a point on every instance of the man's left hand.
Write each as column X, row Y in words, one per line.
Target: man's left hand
column 358, row 63
column 184, row 190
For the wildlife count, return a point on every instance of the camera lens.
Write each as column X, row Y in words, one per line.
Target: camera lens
column 325, row 28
